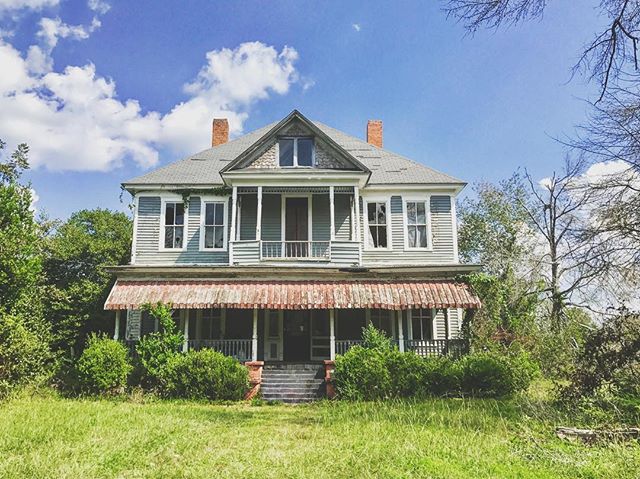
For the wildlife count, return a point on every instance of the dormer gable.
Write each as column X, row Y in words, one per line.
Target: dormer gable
column 295, row 143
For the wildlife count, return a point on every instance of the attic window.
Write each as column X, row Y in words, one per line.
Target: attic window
column 296, row 152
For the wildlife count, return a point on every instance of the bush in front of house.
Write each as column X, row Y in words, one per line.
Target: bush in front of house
column 204, row 374
column 441, row 376
column 378, row 370
column 103, row 366
column 155, row 350
column 491, row 374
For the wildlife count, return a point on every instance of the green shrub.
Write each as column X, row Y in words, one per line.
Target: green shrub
column 406, row 372
column 103, row 366
column 24, row 355
column 361, row 374
column 156, row 349
column 489, row 374
column 204, row 374
column 373, row 338
column 441, row 376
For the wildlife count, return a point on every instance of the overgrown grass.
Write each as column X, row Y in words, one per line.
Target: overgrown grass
column 48, row 436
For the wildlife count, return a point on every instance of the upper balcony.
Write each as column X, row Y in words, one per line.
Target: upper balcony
column 295, row 224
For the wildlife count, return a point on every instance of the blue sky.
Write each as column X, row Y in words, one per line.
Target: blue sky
column 475, row 107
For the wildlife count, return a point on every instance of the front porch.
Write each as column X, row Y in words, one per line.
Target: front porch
column 303, row 336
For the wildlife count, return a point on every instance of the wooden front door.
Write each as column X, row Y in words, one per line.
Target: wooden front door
column 296, row 231
column 297, row 338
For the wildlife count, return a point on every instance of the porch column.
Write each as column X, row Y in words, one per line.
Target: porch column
column 446, row 329
column 332, row 334
column 254, row 342
column 356, row 198
column 332, row 212
column 185, row 344
column 259, row 215
column 116, row 332
column 232, row 229
column 400, row 332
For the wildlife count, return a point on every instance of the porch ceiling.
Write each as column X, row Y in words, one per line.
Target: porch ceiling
column 293, row 294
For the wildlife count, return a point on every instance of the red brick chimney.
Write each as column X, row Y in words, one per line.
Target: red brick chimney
column 220, row 131
column 374, row 133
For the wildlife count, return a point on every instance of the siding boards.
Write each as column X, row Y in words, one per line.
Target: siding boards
column 321, row 218
column 148, row 236
column 342, row 206
column 441, row 231
column 344, row 253
column 271, row 218
column 248, row 216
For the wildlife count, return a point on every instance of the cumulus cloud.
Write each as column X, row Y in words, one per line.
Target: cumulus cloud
column 99, row 6
column 356, row 27
column 9, row 5
column 52, row 29
column 74, row 120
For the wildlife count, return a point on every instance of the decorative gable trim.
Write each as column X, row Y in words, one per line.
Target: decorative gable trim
column 266, row 142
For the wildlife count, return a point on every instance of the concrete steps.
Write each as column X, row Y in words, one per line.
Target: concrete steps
column 292, row 383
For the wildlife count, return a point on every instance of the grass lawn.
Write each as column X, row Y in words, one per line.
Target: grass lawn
column 47, row 436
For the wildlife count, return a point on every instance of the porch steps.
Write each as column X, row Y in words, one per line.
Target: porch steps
column 292, row 382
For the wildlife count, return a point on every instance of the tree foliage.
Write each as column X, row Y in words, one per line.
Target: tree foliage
column 77, row 252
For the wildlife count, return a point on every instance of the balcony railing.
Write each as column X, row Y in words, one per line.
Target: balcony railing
column 314, row 250
column 432, row 347
column 239, row 349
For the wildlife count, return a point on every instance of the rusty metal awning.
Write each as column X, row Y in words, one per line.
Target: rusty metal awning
column 200, row 294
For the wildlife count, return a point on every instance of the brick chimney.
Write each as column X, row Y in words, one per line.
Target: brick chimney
column 374, row 133
column 219, row 131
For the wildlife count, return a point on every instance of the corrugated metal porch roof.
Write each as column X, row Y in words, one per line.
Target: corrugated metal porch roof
column 200, row 294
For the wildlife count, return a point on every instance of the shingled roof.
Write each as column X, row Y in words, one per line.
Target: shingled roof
column 204, row 167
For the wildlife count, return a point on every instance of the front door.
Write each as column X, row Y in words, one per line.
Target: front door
column 273, row 334
column 297, row 340
column 296, row 231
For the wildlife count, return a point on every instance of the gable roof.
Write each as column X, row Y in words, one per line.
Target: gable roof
column 204, row 167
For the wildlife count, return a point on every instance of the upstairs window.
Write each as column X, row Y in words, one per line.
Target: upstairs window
column 417, row 224
column 296, row 152
column 213, row 227
column 173, row 225
column 377, row 221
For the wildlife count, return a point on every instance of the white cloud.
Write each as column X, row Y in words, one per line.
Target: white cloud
column 356, row 27
column 99, row 6
column 34, row 199
column 52, row 29
column 74, row 120
column 6, row 5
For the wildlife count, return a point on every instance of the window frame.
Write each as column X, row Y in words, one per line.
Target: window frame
column 163, row 219
column 432, row 325
column 376, row 199
column 295, row 151
column 426, row 199
column 225, row 218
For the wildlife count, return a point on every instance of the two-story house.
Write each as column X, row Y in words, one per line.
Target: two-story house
column 281, row 245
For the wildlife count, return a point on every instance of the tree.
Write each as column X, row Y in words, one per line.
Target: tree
column 24, row 335
column 77, row 252
column 496, row 231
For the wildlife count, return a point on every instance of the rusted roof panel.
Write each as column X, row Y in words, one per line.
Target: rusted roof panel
column 293, row 294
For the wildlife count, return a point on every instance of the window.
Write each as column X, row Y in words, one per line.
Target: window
column 211, row 324
column 174, row 225
column 377, row 221
column 381, row 319
column 417, row 224
column 213, row 228
column 296, row 151
column 421, row 324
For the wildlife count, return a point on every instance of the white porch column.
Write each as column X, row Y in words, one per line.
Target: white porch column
column 332, row 334
column 400, row 331
column 259, row 215
column 332, row 212
column 356, row 198
column 232, row 229
column 116, row 332
column 185, row 345
column 254, row 342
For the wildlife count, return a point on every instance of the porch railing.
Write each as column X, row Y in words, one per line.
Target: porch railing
column 318, row 250
column 432, row 347
column 239, row 349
